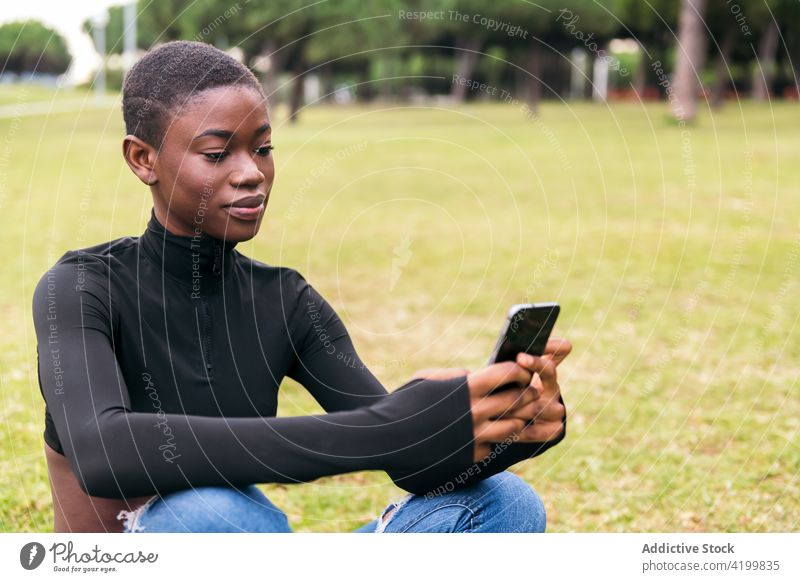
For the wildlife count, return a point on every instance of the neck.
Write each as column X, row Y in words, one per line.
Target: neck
column 200, row 261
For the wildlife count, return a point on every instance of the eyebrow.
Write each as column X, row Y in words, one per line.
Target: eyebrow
column 224, row 133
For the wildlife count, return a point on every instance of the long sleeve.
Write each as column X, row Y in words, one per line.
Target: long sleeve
column 118, row 452
column 505, row 454
column 326, row 361
column 329, row 367
column 433, row 480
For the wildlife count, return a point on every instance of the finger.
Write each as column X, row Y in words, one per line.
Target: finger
column 541, row 432
column 528, row 412
column 498, row 430
column 549, row 411
column 483, row 381
column 557, row 349
column 545, row 367
column 534, row 395
column 501, row 402
column 540, row 411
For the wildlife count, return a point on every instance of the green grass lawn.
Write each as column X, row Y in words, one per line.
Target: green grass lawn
column 673, row 252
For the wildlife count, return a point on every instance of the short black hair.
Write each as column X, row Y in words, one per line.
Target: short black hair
column 168, row 77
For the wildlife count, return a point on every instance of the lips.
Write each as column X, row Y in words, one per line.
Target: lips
column 248, row 208
column 248, row 202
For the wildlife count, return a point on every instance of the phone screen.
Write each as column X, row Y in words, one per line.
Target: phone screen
column 527, row 329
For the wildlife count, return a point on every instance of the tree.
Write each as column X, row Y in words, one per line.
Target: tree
column 166, row 20
column 544, row 25
column 788, row 11
column 764, row 71
column 31, row 47
column 691, row 50
column 652, row 25
column 282, row 33
column 470, row 27
column 724, row 33
column 582, row 23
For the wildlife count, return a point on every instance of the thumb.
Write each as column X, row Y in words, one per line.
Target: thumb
column 483, row 381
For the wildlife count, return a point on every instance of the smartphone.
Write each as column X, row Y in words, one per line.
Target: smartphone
column 526, row 329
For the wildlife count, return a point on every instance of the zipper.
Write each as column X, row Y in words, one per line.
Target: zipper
column 216, row 268
column 206, row 340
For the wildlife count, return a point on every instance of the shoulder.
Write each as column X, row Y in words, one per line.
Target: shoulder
column 83, row 270
column 286, row 278
column 283, row 288
column 96, row 257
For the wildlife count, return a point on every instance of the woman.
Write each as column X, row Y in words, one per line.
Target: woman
column 160, row 356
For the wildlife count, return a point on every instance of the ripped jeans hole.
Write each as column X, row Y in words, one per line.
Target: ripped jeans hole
column 131, row 523
column 390, row 512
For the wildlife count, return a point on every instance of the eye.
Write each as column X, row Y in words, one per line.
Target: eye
column 264, row 151
column 216, row 156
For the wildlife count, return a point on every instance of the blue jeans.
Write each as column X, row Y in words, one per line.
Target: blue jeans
column 501, row 503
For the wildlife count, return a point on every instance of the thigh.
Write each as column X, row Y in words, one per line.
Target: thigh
column 368, row 527
column 501, row 503
column 208, row 509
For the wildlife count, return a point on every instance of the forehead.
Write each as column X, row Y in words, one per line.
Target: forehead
column 234, row 109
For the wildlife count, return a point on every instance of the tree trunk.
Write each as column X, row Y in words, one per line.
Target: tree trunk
column 297, row 90
column 269, row 77
column 690, row 57
column 533, row 81
column 466, row 57
column 721, row 78
column 765, row 66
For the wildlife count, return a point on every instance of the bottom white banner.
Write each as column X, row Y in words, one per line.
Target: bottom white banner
column 769, row 557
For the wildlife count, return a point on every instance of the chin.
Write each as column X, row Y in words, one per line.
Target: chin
column 237, row 231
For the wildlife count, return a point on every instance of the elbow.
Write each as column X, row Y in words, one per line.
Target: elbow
column 101, row 478
column 97, row 480
column 97, row 464
column 94, row 472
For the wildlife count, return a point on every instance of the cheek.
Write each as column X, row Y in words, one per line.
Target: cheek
column 268, row 168
column 198, row 180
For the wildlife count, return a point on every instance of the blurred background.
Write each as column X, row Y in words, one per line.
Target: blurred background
column 439, row 161
column 346, row 51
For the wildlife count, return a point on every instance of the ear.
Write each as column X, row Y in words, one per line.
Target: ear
column 140, row 157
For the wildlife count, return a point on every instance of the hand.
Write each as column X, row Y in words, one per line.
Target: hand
column 545, row 412
column 439, row 373
column 487, row 407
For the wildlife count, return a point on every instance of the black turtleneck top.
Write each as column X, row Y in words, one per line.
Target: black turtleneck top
column 160, row 359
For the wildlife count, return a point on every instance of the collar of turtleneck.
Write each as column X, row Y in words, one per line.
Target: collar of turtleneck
column 199, row 261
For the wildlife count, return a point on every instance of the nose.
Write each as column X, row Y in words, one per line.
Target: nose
column 248, row 175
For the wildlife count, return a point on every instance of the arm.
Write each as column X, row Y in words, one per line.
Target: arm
column 329, row 367
column 326, row 361
column 514, row 449
column 507, row 453
column 547, row 409
column 115, row 452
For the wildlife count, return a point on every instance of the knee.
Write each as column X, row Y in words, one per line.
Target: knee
column 220, row 509
column 247, row 509
column 512, row 502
